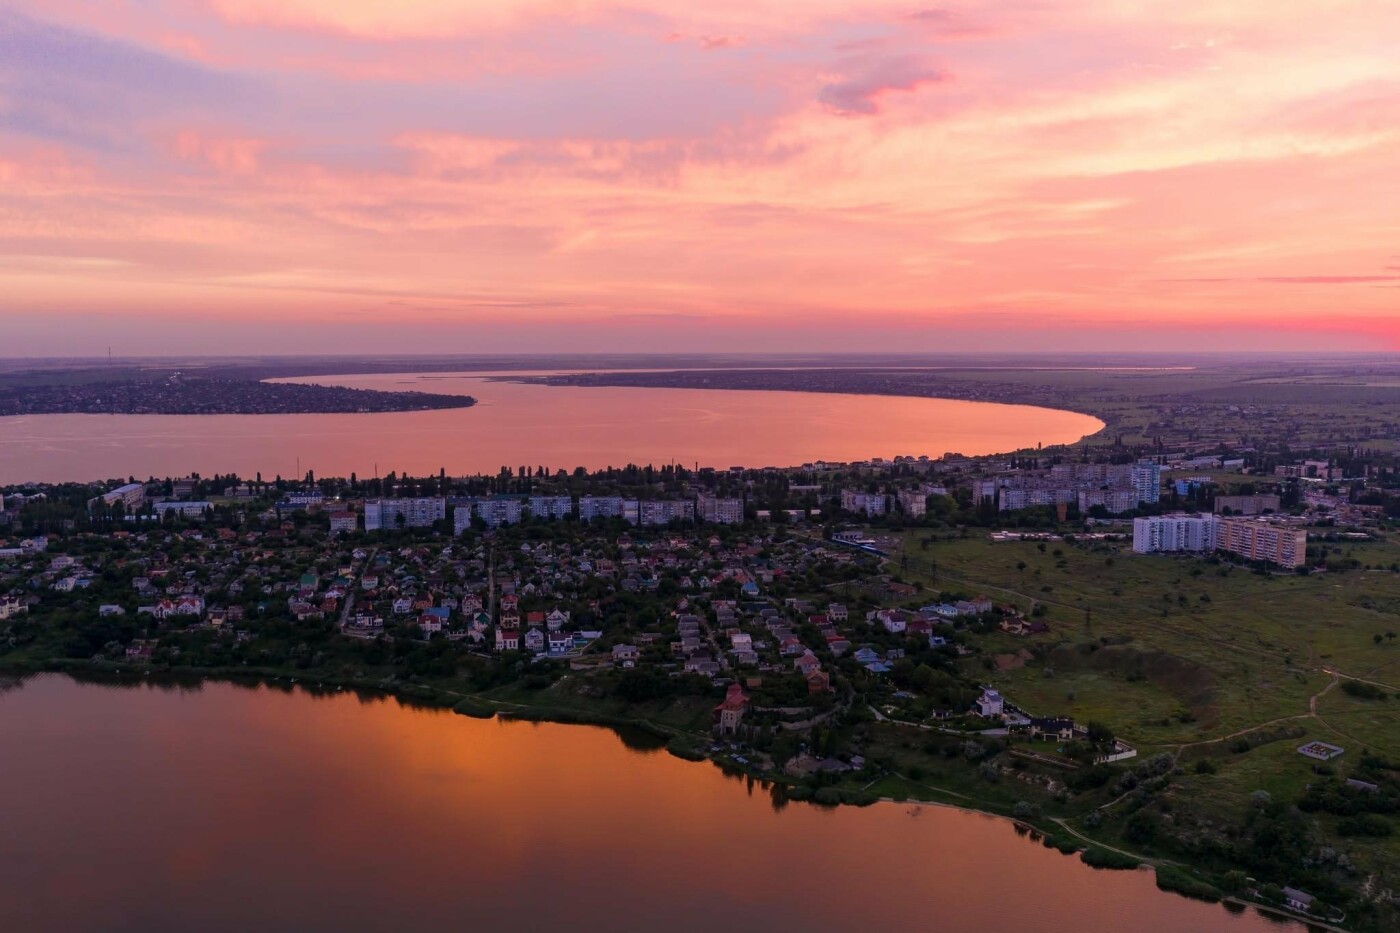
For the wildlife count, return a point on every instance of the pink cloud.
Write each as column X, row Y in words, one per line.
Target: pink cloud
column 858, row 92
column 1092, row 174
column 1300, row 279
column 710, row 43
column 223, row 154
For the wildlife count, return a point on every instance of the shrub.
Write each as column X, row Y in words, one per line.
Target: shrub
column 1178, row 881
column 1095, row 857
column 1363, row 691
column 1367, row 824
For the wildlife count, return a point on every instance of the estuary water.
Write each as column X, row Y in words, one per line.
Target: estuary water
column 515, row 425
column 234, row 808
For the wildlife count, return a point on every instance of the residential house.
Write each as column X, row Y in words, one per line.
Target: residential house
column 730, row 713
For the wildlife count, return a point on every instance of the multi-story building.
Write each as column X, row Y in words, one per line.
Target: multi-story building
column 494, row 511
column 303, row 499
column 592, row 507
column 344, row 523
column 186, row 509
column 864, row 503
column 551, row 507
column 913, row 502
column 385, row 514
column 1116, row 487
column 1248, row 505
column 499, row 510
column 1146, row 479
column 720, row 511
column 665, row 511
column 1174, row 533
column 132, row 495
column 1253, row 539
column 1113, row 501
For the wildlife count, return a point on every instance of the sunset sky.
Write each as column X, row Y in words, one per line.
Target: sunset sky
column 195, row 176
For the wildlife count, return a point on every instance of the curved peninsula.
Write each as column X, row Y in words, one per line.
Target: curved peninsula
column 203, row 395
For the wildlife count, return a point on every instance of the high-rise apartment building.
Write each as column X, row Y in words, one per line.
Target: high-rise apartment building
column 592, row 507
column 1172, row 533
column 1259, row 540
column 553, row 507
column 719, row 510
column 385, row 514
column 665, row 511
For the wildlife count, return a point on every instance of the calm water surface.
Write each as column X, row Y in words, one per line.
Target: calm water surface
column 515, row 425
column 230, row 808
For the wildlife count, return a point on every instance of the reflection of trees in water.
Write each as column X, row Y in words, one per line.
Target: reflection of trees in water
column 777, row 793
column 165, row 683
column 10, row 682
column 639, row 740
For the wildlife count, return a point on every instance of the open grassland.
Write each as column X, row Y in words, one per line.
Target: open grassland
column 1172, row 650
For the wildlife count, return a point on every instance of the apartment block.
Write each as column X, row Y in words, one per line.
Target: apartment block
column 551, row 507
column 1146, row 480
column 1258, row 540
column 591, row 507
column 1175, row 533
column 495, row 511
column 913, row 502
column 719, row 510
column 385, row 514
column 1112, row 501
column 1248, row 505
column 664, row 511
column 864, row 503
column 499, row 510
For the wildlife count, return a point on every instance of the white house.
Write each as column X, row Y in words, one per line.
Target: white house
column 990, row 704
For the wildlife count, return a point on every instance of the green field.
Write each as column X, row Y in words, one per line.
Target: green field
column 1230, row 647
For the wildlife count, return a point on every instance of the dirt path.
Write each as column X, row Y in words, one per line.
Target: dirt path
column 1374, row 683
column 1064, row 824
column 1310, row 714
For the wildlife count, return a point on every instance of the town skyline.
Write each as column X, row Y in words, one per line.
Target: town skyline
column 225, row 176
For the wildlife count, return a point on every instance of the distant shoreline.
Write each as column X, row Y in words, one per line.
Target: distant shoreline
column 200, row 395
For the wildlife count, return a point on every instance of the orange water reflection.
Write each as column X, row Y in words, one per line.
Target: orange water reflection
column 232, row 808
column 526, row 425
